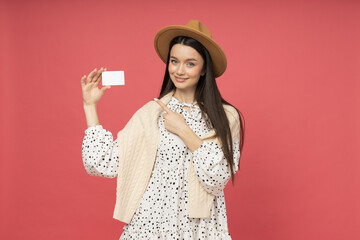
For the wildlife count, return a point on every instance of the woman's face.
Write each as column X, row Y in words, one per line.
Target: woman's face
column 185, row 66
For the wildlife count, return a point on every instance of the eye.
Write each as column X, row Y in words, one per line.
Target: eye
column 173, row 61
column 191, row 64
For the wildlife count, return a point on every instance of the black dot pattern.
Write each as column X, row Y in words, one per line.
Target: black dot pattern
column 100, row 152
column 163, row 210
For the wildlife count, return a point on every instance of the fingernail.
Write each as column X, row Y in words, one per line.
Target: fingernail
column 155, row 99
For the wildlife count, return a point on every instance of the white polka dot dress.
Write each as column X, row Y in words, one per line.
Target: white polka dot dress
column 163, row 210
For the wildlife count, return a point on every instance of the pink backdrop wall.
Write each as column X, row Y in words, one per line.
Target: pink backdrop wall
column 293, row 71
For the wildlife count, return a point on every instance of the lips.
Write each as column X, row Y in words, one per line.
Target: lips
column 180, row 79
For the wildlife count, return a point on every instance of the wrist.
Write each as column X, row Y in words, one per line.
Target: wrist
column 93, row 125
column 184, row 132
column 92, row 118
column 89, row 105
column 191, row 140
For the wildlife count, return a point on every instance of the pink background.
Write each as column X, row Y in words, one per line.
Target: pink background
column 293, row 71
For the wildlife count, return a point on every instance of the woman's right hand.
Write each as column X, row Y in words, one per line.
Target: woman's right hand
column 90, row 91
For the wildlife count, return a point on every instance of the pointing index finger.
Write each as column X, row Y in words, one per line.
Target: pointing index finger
column 166, row 109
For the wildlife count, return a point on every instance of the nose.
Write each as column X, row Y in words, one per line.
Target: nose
column 180, row 69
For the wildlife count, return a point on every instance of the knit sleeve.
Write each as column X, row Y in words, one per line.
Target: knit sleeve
column 100, row 152
column 211, row 166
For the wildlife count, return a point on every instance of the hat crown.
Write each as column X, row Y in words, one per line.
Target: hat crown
column 198, row 26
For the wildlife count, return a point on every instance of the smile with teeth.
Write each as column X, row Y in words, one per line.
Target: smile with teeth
column 180, row 79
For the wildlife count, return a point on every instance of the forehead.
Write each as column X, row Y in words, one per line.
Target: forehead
column 184, row 52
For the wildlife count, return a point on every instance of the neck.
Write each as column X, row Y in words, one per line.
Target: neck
column 184, row 96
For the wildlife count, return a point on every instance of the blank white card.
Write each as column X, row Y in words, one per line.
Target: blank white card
column 113, row 78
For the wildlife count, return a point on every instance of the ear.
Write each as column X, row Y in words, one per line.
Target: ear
column 203, row 73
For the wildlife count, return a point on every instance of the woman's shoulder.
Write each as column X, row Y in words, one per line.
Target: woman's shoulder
column 146, row 107
column 231, row 111
column 233, row 117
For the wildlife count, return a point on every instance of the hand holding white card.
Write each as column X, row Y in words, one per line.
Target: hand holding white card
column 113, row 78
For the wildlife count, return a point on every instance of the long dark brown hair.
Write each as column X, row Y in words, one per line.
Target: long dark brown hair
column 207, row 94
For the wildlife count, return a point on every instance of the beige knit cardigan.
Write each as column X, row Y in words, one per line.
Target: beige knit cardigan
column 138, row 143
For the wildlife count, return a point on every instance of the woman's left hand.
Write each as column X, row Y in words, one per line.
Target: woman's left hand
column 174, row 122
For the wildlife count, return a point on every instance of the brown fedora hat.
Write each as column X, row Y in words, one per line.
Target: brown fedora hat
column 194, row 29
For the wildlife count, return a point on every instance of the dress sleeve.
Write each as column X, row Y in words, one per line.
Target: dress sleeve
column 211, row 166
column 100, row 152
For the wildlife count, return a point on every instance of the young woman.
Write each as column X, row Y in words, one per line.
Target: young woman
column 197, row 138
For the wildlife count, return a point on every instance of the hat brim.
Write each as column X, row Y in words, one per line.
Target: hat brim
column 164, row 36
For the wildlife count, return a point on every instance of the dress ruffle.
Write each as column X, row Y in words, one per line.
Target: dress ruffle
column 186, row 234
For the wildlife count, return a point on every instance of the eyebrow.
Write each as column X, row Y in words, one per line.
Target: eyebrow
column 189, row 59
